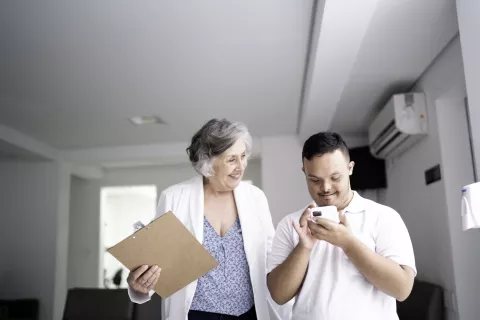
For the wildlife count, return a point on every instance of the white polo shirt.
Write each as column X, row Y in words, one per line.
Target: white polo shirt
column 334, row 289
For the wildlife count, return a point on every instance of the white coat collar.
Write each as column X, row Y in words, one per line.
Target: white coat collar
column 197, row 208
column 249, row 215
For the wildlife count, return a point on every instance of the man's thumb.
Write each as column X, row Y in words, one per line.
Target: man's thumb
column 296, row 226
column 343, row 218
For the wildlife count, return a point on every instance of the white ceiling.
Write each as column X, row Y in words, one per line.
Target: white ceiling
column 71, row 73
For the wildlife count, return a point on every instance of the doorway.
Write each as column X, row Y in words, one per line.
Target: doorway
column 120, row 208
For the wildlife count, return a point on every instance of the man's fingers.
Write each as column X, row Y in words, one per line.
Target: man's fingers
column 306, row 213
column 305, row 216
column 315, row 228
column 343, row 218
column 317, row 231
column 296, row 226
column 325, row 223
column 303, row 222
column 138, row 272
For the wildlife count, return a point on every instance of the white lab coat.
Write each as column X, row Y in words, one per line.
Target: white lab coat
column 186, row 201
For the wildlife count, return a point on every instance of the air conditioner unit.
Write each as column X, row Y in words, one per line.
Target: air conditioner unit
column 401, row 123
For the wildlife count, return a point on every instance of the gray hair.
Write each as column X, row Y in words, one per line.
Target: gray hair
column 213, row 139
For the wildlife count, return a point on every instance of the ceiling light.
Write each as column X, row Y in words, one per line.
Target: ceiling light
column 143, row 120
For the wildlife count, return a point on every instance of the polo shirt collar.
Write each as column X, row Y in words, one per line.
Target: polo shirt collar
column 357, row 205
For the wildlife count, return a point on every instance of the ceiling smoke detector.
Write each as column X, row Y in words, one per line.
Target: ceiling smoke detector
column 144, row 120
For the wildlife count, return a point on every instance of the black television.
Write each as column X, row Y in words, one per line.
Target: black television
column 369, row 172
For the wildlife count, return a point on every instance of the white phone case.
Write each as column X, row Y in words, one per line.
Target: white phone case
column 326, row 212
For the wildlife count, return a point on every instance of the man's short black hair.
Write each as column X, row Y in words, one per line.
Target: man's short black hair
column 322, row 143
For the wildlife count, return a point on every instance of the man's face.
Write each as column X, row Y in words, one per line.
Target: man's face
column 328, row 178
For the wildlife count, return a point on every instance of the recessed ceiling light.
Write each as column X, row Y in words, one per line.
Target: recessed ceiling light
column 143, row 120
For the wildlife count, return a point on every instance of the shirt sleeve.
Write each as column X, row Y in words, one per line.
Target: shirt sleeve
column 138, row 297
column 282, row 245
column 393, row 239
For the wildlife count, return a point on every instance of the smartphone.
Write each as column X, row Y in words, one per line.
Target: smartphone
column 326, row 212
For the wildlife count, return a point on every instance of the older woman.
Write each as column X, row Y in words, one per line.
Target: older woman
column 233, row 222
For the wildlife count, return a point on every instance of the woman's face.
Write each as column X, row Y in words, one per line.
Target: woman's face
column 229, row 167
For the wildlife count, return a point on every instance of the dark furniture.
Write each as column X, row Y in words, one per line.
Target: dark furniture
column 424, row 303
column 24, row 309
column 112, row 304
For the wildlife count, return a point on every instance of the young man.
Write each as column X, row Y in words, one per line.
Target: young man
column 355, row 269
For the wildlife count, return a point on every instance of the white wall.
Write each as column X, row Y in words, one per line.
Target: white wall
column 85, row 254
column 282, row 178
column 430, row 211
column 34, row 198
column 469, row 24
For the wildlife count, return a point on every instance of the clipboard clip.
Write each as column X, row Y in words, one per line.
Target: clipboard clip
column 137, row 226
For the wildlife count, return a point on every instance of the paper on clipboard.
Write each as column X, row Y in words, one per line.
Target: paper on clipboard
column 167, row 243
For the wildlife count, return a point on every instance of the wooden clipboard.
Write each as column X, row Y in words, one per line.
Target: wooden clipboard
column 166, row 242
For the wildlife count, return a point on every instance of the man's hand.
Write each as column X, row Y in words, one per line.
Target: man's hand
column 285, row 281
column 383, row 273
column 307, row 240
column 338, row 234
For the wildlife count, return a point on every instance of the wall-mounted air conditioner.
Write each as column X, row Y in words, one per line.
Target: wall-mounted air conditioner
column 401, row 123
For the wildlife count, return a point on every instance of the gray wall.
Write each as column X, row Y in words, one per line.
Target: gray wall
column 469, row 25
column 457, row 172
column 432, row 213
column 282, row 178
column 83, row 253
column 33, row 248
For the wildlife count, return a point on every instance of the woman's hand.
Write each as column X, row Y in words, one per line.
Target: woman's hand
column 144, row 279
